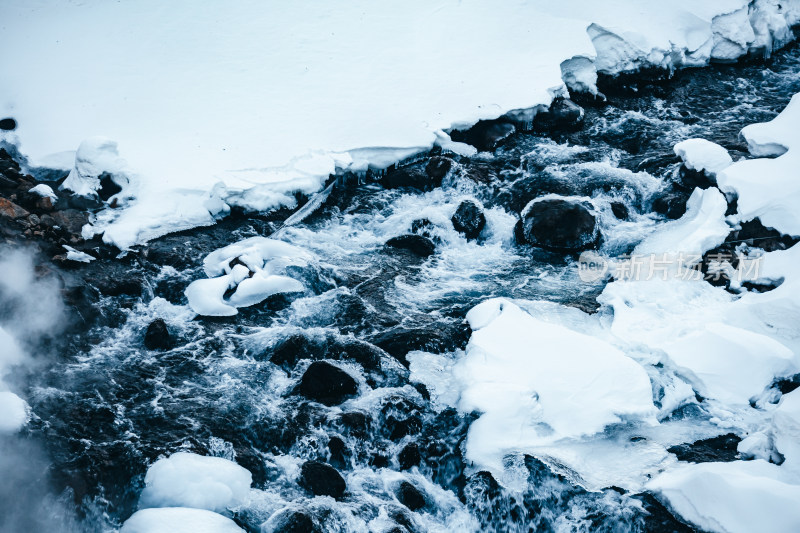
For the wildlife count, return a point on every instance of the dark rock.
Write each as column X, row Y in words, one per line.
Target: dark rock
column 716, row 449
column 81, row 203
column 563, row 114
column 379, row 461
column 671, row 203
column 486, row 135
column 410, row 496
column 8, row 124
column 130, row 284
column 327, row 384
column 356, row 423
column 416, row 244
column 620, row 210
column 560, row 225
column 108, row 187
column 437, row 168
column 293, row 521
column 338, row 450
column 413, row 176
column 322, row 479
column 469, row 219
column 435, row 336
column 691, row 179
column 301, row 346
column 409, row 456
column 71, row 220
column 658, row 518
column 9, row 209
column 157, row 336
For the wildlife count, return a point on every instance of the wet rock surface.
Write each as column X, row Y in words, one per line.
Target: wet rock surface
column 560, row 224
column 469, row 219
column 322, row 479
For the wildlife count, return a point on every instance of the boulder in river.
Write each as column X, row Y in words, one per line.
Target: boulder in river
column 410, row 496
column 563, row 114
column 327, row 384
column 322, row 479
column 157, row 336
column 560, row 224
column 469, row 219
column 486, row 135
column 416, row 244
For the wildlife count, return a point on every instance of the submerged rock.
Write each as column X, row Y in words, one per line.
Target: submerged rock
column 620, row 210
column 469, row 219
column 322, row 479
column 157, row 336
column 327, row 384
column 559, row 224
column 671, row 203
column 438, row 167
column 410, row 496
column 290, row 521
column 416, row 244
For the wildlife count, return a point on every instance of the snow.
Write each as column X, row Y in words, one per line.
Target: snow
column 537, row 383
column 45, row 191
column 95, row 156
column 786, row 429
column 255, row 278
column 703, row 155
column 14, row 412
column 190, row 480
column 178, row 520
column 188, row 96
column 76, row 255
column 740, row 496
column 769, row 188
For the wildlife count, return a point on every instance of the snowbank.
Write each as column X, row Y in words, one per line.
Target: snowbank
column 190, row 480
column 741, row 496
column 769, row 188
column 196, row 94
column 703, row 155
column 178, row 520
column 251, row 267
column 537, row 383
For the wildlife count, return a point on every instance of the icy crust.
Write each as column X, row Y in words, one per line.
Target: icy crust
column 252, row 267
column 178, row 520
column 769, row 188
column 254, row 125
column 191, row 480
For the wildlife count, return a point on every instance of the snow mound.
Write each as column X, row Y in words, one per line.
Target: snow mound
column 786, row 429
column 703, row 155
column 267, row 124
column 14, row 412
column 769, row 188
column 45, row 191
column 251, row 267
column 740, row 496
column 536, row 383
column 178, row 520
column 95, row 156
column 190, row 480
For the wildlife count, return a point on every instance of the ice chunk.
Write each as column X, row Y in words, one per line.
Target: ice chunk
column 700, row 154
column 735, row 497
column 45, row 191
column 178, row 520
column 728, row 363
column 14, row 412
column 254, row 275
column 190, row 480
column 535, row 383
column 76, row 255
column 786, row 428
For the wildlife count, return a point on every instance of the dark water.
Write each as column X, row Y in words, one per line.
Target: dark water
column 105, row 407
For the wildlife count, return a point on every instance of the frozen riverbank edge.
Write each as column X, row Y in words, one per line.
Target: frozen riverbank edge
column 256, row 126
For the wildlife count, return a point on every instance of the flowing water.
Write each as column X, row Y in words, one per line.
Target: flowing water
column 105, row 407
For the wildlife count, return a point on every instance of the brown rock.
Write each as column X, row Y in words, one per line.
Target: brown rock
column 70, row 220
column 45, row 203
column 11, row 210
